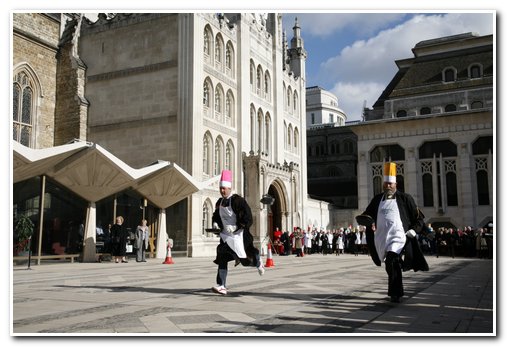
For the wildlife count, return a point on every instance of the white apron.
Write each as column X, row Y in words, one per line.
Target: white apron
column 389, row 233
column 234, row 240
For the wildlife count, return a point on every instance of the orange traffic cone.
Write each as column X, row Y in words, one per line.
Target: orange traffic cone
column 269, row 260
column 168, row 258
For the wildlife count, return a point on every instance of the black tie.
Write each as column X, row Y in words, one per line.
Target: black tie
column 225, row 202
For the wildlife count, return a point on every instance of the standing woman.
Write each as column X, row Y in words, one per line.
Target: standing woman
column 119, row 241
column 141, row 241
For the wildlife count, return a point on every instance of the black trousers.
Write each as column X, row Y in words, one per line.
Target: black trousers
column 225, row 254
column 393, row 269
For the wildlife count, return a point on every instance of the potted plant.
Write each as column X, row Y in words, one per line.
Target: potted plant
column 23, row 231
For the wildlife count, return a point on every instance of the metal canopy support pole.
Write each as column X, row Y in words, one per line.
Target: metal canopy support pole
column 41, row 216
column 114, row 210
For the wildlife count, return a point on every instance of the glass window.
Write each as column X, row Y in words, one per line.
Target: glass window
column 377, row 185
column 205, row 98
column 228, row 156
column 482, row 187
column 387, row 153
column 218, row 50
column 427, row 180
column 483, row 145
column 252, row 73
column 476, row 105
column 475, row 71
column 259, row 79
column 425, row 110
column 449, row 75
column 401, row 114
column 64, row 213
column 207, row 41
column 218, row 156
column 22, row 110
column 452, row 189
column 450, row 108
column 446, row 147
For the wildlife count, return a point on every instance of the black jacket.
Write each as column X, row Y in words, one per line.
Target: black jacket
column 244, row 221
column 412, row 218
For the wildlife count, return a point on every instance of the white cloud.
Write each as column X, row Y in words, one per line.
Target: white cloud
column 325, row 24
column 371, row 62
column 351, row 97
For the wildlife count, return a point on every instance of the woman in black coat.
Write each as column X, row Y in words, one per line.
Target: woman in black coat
column 119, row 241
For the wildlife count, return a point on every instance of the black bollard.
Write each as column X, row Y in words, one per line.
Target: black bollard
column 29, row 252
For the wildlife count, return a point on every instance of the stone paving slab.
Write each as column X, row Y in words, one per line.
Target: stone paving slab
column 314, row 295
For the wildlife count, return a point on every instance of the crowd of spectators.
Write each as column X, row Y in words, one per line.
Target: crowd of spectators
column 466, row 242
column 320, row 241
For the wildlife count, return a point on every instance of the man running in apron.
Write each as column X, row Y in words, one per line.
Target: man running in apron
column 233, row 217
column 392, row 220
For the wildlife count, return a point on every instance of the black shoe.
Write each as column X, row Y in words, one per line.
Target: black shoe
column 395, row 298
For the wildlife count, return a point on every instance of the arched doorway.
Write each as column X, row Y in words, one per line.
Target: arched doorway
column 276, row 210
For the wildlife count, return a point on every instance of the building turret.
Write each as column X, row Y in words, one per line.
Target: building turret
column 297, row 53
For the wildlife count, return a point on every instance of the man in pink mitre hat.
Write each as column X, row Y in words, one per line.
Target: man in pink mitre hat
column 233, row 217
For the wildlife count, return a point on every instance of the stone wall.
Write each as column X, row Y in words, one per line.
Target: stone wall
column 132, row 86
column 35, row 42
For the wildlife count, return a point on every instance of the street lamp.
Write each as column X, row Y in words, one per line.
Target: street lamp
column 267, row 200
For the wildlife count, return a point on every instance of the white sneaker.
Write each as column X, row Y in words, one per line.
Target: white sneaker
column 261, row 270
column 219, row 290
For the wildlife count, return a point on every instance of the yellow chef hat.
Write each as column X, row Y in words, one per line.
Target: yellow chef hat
column 390, row 172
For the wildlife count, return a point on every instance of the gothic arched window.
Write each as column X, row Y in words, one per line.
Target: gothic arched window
column 207, row 41
column 23, row 108
column 206, row 155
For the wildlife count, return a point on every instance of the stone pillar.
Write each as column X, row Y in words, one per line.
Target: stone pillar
column 411, row 175
column 161, row 235
column 434, row 174
column 89, row 251
column 465, row 167
column 363, row 177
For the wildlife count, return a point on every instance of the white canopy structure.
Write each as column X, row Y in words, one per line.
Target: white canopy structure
column 93, row 173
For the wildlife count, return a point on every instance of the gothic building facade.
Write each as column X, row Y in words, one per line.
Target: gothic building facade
column 205, row 91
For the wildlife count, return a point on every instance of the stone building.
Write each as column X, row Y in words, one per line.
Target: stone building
column 332, row 165
column 205, row 91
column 331, row 152
column 35, row 42
column 435, row 120
column 322, row 108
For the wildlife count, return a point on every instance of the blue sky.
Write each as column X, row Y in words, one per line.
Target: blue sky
column 353, row 54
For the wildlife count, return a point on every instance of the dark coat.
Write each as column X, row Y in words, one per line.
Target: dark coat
column 118, row 240
column 412, row 218
column 244, row 221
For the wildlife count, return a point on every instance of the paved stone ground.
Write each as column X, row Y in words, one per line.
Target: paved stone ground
column 315, row 295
